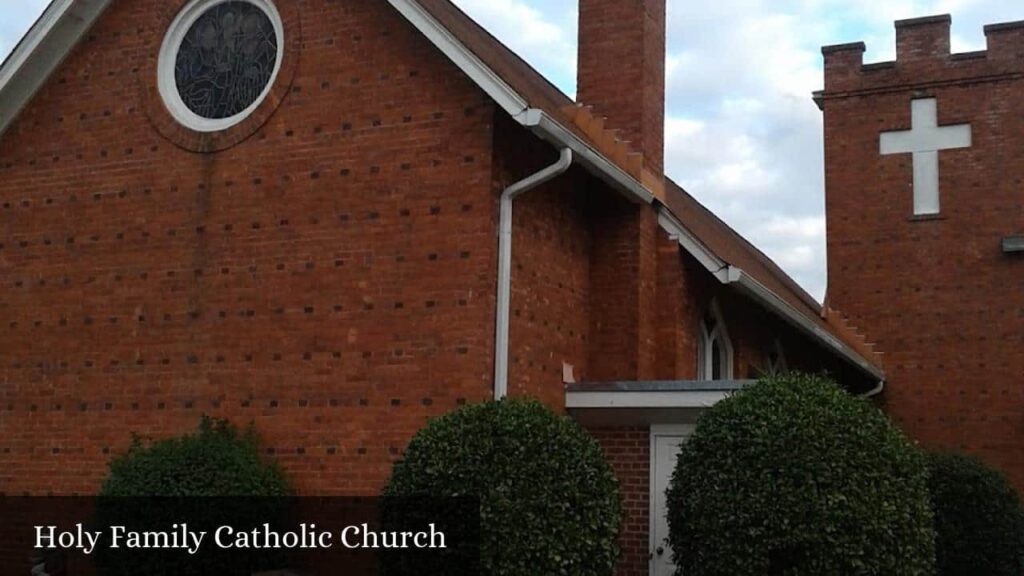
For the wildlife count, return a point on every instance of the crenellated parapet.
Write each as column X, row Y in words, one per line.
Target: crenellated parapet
column 923, row 58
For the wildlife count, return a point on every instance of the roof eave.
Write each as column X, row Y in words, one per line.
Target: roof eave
column 546, row 127
column 41, row 51
column 482, row 75
column 728, row 274
column 750, row 286
column 513, row 103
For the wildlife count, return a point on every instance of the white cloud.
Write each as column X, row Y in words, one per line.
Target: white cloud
column 543, row 33
column 747, row 77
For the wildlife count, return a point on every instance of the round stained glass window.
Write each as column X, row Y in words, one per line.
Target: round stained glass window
column 219, row 61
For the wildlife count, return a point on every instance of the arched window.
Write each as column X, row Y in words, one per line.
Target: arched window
column 775, row 360
column 714, row 351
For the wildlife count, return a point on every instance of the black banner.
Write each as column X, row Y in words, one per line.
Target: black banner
column 238, row 536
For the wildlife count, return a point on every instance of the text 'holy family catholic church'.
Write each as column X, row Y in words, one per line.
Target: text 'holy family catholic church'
column 389, row 214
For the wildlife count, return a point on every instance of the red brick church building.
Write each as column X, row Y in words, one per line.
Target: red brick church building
column 338, row 218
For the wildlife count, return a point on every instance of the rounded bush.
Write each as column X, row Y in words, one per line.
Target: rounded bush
column 979, row 524
column 792, row 476
column 548, row 500
column 213, row 477
column 216, row 460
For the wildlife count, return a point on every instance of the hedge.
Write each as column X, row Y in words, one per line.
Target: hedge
column 216, row 460
column 548, row 500
column 978, row 518
column 207, row 479
column 792, row 476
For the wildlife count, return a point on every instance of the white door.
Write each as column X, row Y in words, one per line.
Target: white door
column 665, row 443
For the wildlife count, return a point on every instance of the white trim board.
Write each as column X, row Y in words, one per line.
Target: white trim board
column 490, row 82
column 41, row 51
column 582, row 400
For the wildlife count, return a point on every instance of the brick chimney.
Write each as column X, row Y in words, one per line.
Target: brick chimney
column 622, row 71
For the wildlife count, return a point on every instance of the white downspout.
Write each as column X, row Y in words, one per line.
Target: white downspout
column 875, row 391
column 505, row 264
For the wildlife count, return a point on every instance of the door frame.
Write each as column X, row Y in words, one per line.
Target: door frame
column 657, row 430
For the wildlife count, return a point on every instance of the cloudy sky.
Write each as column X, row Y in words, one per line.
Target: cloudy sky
column 742, row 133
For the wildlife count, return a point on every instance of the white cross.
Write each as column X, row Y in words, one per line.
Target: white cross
column 924, row 141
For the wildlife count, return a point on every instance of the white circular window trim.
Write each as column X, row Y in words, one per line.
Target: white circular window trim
column 167, row 60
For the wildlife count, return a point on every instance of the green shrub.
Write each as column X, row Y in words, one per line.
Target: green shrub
column 548, row 500
column 213, row 477
column 792, row 476
column 979, row 524
column 216, row 460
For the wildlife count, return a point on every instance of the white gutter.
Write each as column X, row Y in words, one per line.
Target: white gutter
column 728, row 274
column 501, row 321
column 546, row 127
column 693, row 246
column 874, row 391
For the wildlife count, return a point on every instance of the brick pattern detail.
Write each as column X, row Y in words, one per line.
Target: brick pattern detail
column 628, row 450
column 922, row 39
column 330, row 278
column 935, row 295
column 616, row 310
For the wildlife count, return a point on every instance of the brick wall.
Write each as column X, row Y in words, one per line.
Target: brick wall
column 330, row 277
column 937, row 294
column 628, row 450
column 622, row 273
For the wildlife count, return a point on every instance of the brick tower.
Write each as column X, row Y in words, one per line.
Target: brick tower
column 924, row 170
